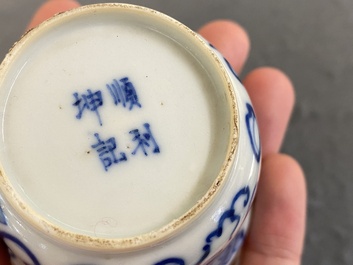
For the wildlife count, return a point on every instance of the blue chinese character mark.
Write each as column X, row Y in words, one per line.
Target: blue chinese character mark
column 90, row 101
column 106, row 150
column 144, row 140
column 124, row 92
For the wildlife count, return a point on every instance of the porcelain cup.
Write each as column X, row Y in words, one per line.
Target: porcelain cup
column 126, row 138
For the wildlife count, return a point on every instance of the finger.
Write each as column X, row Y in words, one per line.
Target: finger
column 4, row 255
column 230, row 39
column 272, row 94
column 278, row 223
column 50, row 8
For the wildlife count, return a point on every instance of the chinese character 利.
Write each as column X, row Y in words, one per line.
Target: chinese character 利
column 144, row 140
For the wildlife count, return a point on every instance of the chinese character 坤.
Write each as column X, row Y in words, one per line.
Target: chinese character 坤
column 106, row 151
column 144, row 140
column 89, row 101
column 124, row 92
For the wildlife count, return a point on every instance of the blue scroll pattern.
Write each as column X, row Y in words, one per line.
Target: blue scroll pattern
column 228, row 64
column 171, row 261
column 232, row 248
column 229, row 215
column 228, row 254
column 7, row 236
column 251, row 123
column 21, row 245
column 251, row 126
column 243, row 196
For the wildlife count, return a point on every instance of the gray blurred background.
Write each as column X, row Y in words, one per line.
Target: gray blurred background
column 312, row 41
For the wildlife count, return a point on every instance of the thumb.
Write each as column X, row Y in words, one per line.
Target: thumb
column 276, row 232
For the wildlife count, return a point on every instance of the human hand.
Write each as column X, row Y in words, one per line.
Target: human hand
column 276, row 235
column 278, row 222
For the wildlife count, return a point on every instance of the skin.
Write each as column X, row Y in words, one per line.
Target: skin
column 276, row 235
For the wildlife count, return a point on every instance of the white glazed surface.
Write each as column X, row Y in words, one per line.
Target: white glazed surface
column 203, row 240
column 157, row 188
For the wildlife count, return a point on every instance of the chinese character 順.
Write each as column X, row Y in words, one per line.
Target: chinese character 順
column 124, row 92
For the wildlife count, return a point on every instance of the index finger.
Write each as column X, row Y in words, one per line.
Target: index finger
column 230, row 39
column 50, row 8
column 270, row 90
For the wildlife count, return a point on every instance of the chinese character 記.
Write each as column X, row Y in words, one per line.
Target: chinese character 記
column 106, row 151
